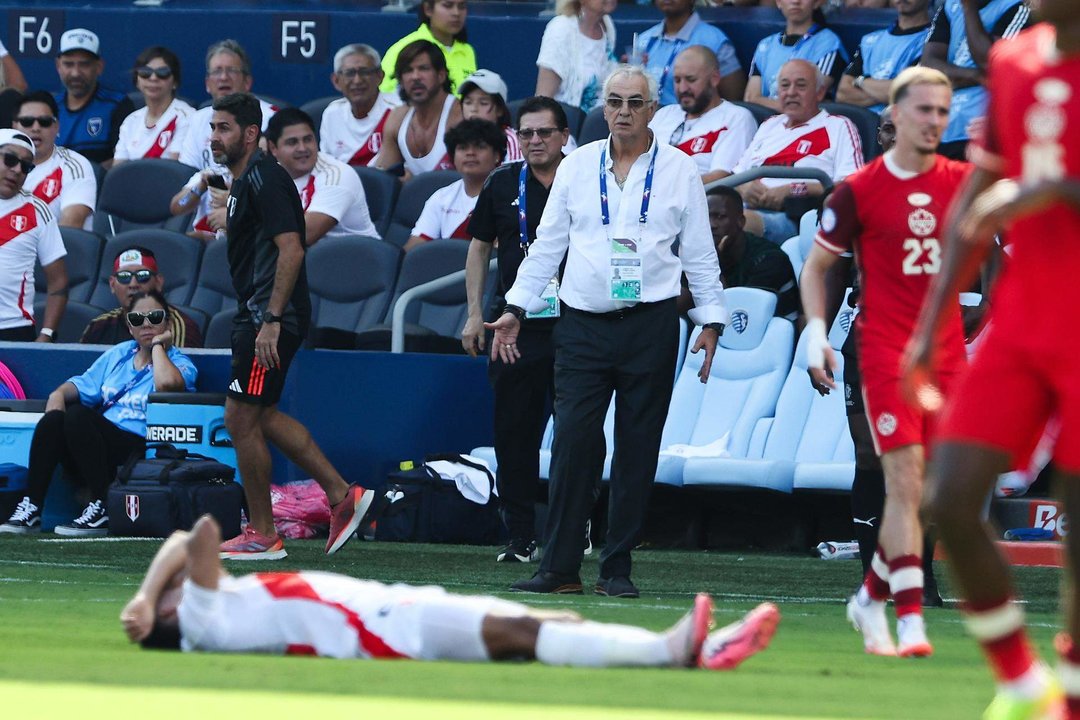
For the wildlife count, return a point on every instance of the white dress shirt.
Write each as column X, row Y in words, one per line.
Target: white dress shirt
column 571, row 225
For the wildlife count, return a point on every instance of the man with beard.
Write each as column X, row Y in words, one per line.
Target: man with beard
column 413, row 136
column 701, row 124
column 352, row 126
column 266, row 233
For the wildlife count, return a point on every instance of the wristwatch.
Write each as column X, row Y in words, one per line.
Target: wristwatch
column 269, row 317
column 858, row 81
column 718, row 327
column 518, row 312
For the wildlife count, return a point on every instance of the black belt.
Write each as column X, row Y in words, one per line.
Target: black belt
column 617, row 314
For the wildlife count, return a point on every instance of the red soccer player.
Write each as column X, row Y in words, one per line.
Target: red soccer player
column 891, row 213
column 1027, row 183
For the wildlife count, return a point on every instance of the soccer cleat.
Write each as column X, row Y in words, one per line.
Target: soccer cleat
column 25, row 520
column 870, row 620
column 518, row 550
column 686, row 637
column 347, row 516
column 94, row 522
column 728, row 647
column 911, row 638
column 1050, row 705
column 252, row 545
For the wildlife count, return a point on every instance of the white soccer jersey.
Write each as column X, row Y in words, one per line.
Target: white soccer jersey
column 716, row 140
column 333, row 188
column 446, row 213
column 437, row 158
column 513, row 147
column 163, row 139
column 351, row 140
column 28, row 232
column 65, row 179
column 827, row 142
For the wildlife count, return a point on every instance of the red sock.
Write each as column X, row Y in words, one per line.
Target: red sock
column 906, row 584
column 876, row 581
column 999, row 628
column 1069, row 673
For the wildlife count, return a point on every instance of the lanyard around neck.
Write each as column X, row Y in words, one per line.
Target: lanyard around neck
column 643, row 216
column 523, row 235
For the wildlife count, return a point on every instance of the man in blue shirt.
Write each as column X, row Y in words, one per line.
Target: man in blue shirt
column 90, row 115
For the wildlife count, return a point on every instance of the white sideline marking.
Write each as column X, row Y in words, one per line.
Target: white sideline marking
column 100, row 539
column 41, row 563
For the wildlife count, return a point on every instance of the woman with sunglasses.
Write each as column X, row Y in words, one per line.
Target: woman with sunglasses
column 156, row 130
column 95, row 421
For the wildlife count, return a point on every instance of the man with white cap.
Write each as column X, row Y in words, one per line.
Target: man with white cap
column 28, row 232
column 483, row 95
column 90, row 115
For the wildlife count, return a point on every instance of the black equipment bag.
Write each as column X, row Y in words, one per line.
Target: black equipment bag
column 151, row 497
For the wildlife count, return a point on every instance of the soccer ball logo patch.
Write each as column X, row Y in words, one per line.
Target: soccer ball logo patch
column 922, row 222
column 886, row 424
column 740, row 320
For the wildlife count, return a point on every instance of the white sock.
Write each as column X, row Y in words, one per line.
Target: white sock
column 592, row 644
column 1030, row 685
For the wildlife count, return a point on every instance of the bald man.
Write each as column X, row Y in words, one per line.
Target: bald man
column 713, row 132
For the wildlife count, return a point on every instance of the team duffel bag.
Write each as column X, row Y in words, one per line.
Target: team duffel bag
column 151, row 497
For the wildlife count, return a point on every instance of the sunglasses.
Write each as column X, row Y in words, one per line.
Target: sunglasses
column 11, row 160
column 124, row 277
column 146, row 71
column 154, row 317
column 615, row 103
column 26, row 121
column 543, row 133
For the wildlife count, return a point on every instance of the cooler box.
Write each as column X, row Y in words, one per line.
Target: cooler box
column 191, row 421
column 18, row 418
column 12, row 487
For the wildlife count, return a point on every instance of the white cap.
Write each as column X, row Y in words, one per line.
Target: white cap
column 14, row 137
column 486, row 80
column 79, row 39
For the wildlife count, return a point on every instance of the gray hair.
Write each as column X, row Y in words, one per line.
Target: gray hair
column 229, row 46
column 356, row 49
column 633, row 71
column 819, row 77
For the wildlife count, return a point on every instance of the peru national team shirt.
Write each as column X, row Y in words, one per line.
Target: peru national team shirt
column 446, row 214
column 355, row 141
column 894, row 221
column 28, row 232
column 163, row 138
column 333, row 188
column 827, row 142
column 715, row 141
column 64, row 180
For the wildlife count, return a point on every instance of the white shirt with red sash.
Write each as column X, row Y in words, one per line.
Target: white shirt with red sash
column 826, row 142
column 715, row 141
column 446, row 214
column 165, row 137
column 28, row 232
column 352, row 140
column 333, row 188
column 65, row 179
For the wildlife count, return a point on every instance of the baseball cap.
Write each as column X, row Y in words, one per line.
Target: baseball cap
column 135, row 256
column 14, row 137
column 487, row 80
column 79, row 39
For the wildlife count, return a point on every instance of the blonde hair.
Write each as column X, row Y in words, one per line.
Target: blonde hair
column 915, row 75
column 567, row 7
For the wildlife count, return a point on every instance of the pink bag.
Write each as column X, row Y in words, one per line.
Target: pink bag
column 301, row 510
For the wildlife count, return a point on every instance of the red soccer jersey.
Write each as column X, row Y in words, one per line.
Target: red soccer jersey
column 894, row 223
column 1032, row 134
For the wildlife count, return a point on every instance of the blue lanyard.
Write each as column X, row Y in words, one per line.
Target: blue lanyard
column 643, row 217
column 671, row 60
column 523, row 235
column 806, row 36
column 130, row 383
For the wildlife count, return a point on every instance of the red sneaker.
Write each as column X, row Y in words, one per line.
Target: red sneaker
column 729, row 646
column 252, row 545
column 688, row 635
column 347, row 516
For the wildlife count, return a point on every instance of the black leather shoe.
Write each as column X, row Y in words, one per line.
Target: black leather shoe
column 618, row 587
column 548, row 582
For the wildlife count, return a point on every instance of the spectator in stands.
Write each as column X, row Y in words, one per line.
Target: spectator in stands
column 156, row 130
column 804, row 37
column 804, row 136
column 31, row 234
column 442, row 23
column 577, row 52
column 483, row 96
column 477, row 147
column 330, row 191
column 682, row 26
column 135, row 271
column 415, row 132
column 747, row 260
column 96, row 421
column 882, row 54
column 61, row 177
column 959, row 45
column 228, row 70
column 11, row 76
column 90, row 114
column 886, row 133
column 352, row 126
column 702, row 124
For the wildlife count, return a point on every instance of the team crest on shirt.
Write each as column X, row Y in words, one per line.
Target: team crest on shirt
column 740, row 320
column 698, row 144
column 886, row 424
column 19, row 223
column 94, row 126
column 921, row 222
column 803, row 147
column 164, row 139
column 374, row 143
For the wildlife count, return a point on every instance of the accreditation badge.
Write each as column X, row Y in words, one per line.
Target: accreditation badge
column 624, row 271
column 551, row 297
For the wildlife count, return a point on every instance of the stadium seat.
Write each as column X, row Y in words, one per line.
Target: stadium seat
column 219, row 330
column 574, row 116
column 177, row 255
column 214, row 290
column 136, row 194
column 199, row 317
column 315, row 108
column 760, row 112
column 445, row 311
column 410, row 203
column 866, row 122
column 77, row 315
column 593, row 127
column 381, row 190
column 798, row 247
column 82, row 261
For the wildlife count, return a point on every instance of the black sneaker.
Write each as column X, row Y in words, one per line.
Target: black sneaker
column 94, row 522
column 548, row 582
column 617, row 587
column 25, row 520
column 518, row 550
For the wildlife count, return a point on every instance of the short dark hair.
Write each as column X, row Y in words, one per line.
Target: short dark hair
column 425, row 19
column 728, row 193
column 153, row 295
column 163, row 636
column 41, row 96
column 157, row 51
column 476, row 132
column 242, row 106
column 540, row 104
column 287, row 117
column 415, row 49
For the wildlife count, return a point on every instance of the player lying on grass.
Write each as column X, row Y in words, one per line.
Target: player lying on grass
column 188, row 601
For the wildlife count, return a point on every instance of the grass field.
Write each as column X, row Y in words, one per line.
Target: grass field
column 61, row 648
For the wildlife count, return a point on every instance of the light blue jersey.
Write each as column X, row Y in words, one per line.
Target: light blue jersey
column 819, row 45
column 883, row 54
column 662, row 51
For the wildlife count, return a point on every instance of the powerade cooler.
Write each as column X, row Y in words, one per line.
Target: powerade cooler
column 191, row 421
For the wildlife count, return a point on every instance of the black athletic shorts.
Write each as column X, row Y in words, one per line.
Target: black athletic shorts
column 250, row 383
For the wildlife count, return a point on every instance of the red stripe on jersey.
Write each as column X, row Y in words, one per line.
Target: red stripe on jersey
column 461, row 232
column 162, row 141
column 812, row 143
column 290, row 586
column 445, row 164
column 370, row 149
column 204, row 225
column 702, row 143
column 49, row 188
column 308, row 193
column 22, row 301
column 16, row 222
column 300, row 649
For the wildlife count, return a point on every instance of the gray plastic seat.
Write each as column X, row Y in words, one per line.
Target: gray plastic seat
column 865, row 121
column 82, row 261
column 381, row 189
column 315, row 108
column 219, row 332
column 594, row 127
column 445, row 311
column 574, row 116
column 410, row 202
column 177, row 255
column 760, row 112
column 77, row 315
column 136, row 194
column 214, row 290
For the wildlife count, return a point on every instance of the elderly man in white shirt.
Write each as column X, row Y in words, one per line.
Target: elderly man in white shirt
column 616, row 208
